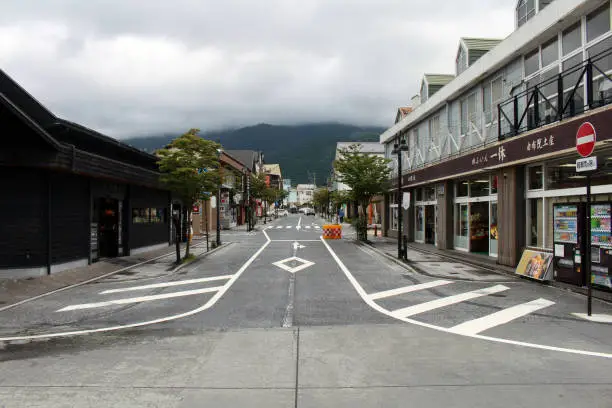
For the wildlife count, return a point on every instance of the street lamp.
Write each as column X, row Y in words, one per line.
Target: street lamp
column 398, row 149
column 219, row 152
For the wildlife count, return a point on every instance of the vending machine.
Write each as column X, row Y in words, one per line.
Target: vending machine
column 601, row 244
column 568, row 224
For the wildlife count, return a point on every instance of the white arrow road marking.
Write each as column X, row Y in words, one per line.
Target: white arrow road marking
column 297, row 245
column 503, row 316
column 447, row 301
column 166, row 284
column 598, row 318
column 140, row 299
column 408, row 289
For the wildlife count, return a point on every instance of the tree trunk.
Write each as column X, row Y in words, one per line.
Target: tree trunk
column 188, row 234
column 177, row 237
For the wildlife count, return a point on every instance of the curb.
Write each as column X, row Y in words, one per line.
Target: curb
column 202, row 255
column 74, row 285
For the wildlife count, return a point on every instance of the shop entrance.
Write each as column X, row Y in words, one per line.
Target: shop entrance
column 430, row 224
column 108, row 227
column 479, row 227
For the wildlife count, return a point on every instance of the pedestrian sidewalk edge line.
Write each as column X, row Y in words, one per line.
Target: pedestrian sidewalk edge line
column 74, row 285
column 389, row 257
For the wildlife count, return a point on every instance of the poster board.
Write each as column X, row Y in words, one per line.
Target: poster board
column 535, row 265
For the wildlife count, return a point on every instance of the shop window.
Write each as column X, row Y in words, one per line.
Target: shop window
column 493, row 230
column 394, row 224
column 598, row 23
column 419, row 218
column 536, row 220
column 148, row 215
column 550, row 52
column 430, row 193
column 479, row 187
column 462, row 188
column 494, row 181
column 461, row 226
column 419, row 194
column 536, row 178
column 572, row 39
column 562, row 174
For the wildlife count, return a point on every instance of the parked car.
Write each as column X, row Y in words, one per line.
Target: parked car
column 302, row 210
column 283, row 213
column 309, row 211
column 293, row 210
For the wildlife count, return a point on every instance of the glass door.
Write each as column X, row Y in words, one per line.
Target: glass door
column 493, row 231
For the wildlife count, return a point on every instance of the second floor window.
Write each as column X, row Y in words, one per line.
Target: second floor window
column 525, row 9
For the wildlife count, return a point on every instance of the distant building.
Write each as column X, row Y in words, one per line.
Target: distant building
column 273, row 174
column 292, row 200
column 305, row 193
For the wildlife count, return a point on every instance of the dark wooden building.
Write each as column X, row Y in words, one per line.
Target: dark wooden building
column 69, row 195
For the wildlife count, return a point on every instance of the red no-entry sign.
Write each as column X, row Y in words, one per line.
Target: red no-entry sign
column 585, row 139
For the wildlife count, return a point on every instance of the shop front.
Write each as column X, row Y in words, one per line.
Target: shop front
column 475, row 215
column 426, row 214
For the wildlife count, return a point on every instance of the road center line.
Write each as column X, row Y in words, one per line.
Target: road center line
column 362, row 293
column 166, row 284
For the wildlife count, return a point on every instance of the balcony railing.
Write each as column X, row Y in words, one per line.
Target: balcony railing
column 580, row 88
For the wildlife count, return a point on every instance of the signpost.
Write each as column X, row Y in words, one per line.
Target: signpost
column 586, row 136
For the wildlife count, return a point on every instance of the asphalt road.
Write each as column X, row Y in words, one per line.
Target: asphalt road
column 280, row 318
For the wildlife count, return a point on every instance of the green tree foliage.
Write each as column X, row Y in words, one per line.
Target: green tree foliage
column 189, row 166
column 321, row 198
column 366, row 175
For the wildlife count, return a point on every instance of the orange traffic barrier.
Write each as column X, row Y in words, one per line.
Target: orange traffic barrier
column 332, row 231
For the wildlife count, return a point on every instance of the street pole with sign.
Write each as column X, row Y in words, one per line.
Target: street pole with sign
column 398, row 149
column 585, row 144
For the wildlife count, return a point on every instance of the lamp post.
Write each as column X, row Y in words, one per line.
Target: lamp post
column 219, row 152
column 398, row 149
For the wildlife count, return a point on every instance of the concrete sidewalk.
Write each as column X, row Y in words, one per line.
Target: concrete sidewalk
column 13, row 291
column 447, row 264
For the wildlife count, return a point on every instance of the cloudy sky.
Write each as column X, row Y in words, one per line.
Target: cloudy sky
column 136, row 67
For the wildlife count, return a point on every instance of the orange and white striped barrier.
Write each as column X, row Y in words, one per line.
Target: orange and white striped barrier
column 332, row 231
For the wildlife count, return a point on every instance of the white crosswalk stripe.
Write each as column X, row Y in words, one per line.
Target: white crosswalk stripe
column 307, row 227
column 408, row 289
column 167, row 284
column 279, row 227
column 289, row 226
column 447, row 301
column 140, row 299
column 501, row 317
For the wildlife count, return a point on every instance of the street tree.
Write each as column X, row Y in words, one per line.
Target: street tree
column 189, row 167
column 258, row 187
column 366, row 175
column 321, row 198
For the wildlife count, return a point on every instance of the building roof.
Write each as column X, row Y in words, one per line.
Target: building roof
column 246, row 157
column 365, row 147
column 438, row 79
column 273, row 169
column 482, row 44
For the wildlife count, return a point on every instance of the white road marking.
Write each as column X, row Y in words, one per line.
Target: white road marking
column 140, row 299
column 598, row 318
column 279, row 227
column 299, row 224
column 501, row 317
column 316, row 227
column 447, row 301
column 307, row 227
column 362, row 293
column 281, row 264
column 166, row 284
column 289, row 226
column 408, row 289
column 291, row 240
column 211, row 302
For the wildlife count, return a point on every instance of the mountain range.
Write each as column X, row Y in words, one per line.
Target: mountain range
column 304, row 152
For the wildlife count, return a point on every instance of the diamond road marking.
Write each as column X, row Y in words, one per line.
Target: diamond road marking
column 304, row 264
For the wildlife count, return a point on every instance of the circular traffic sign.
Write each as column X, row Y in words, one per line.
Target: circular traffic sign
column 585, row 139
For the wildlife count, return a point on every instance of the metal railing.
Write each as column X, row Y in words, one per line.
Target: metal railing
column 580, row 88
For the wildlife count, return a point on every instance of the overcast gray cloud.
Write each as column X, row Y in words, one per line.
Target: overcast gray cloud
column 137, row 67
